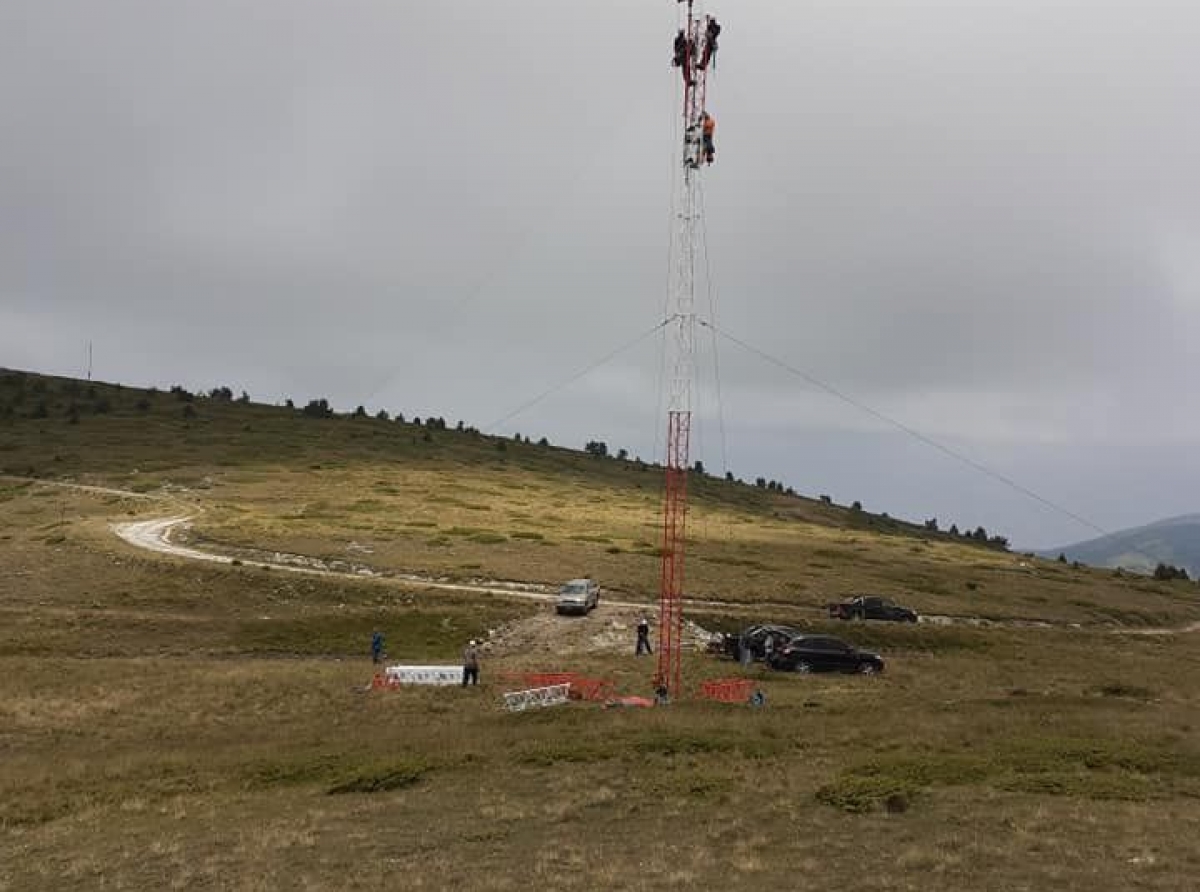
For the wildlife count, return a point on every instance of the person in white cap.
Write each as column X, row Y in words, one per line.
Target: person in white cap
column 471, row 663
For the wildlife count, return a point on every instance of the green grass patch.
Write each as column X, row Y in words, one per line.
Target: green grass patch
column 488, row 538
column 1092, row 768
column 381, row 779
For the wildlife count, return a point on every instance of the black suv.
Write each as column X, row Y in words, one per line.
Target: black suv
column 872, row 607
column 824, row 653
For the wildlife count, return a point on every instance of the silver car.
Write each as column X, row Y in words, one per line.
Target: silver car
column 578, row 596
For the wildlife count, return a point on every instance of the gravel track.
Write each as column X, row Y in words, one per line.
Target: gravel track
column 156, row 535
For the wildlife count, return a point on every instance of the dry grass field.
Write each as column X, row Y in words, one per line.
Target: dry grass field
column 166, row 724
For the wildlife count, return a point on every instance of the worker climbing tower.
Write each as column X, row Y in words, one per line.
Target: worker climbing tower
column 695, row 56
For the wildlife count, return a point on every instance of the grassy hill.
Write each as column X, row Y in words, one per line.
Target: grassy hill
column 1175, row 542
column 165, row 723
column 464, row 505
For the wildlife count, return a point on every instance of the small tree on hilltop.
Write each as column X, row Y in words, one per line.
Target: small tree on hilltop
column 596, row 448
column 1168, row 572
column 318, row 409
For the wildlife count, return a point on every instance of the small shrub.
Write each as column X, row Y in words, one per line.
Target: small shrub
column 1120, row 689
column 488, row 538
column 380, row 780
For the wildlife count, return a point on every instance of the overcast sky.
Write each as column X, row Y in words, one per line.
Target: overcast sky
column 980, row 219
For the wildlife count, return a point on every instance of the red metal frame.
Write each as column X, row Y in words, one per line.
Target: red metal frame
column 670, row 603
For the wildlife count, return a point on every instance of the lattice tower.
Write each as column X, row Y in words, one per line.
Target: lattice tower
column 694, row 72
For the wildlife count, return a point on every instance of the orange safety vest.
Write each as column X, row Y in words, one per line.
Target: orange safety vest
column 710, row 124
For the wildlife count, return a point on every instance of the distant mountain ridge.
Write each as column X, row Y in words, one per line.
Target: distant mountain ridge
column 1174, row 541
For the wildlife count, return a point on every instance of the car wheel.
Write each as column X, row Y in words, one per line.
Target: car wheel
column 802, row 667
column 867, row 668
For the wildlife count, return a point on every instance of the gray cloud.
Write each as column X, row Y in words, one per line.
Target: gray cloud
column 980, row 220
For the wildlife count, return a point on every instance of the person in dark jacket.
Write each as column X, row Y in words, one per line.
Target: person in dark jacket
column 680, row 50
column 376, row 647
column 684, row 57
column 712, row 30
column 471, row 663
column 643, row 638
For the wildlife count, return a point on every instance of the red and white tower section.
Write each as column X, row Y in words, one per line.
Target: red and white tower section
column 695, row 50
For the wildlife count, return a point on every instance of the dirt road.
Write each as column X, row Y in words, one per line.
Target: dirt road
column 156, row 535
column 608, row 629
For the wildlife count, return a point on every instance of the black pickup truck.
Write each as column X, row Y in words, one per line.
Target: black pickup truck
column 872, row 607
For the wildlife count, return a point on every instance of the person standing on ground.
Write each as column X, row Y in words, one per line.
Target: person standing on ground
column 643, row 638
column 377, row 647
column 471, row 663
